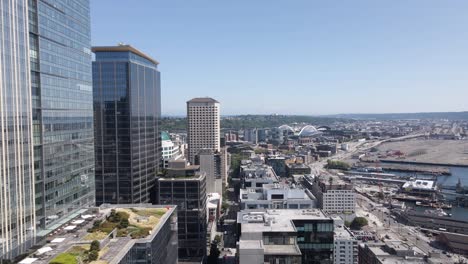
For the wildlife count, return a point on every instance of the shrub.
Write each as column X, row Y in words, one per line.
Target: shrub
column 95, row 246
column 124, row 223
column 93, row 255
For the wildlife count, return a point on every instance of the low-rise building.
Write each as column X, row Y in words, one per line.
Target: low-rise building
column 390, row 252
column 423, row 188
column 285, row 236
column 254, row 175
column 333, row 196
column 149, row 235
column 297, row 168
column 277, row 196
column 346, row 245
column 278, row 163
column 457, row 243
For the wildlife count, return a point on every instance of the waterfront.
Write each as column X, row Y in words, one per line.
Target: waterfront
column 460, row 213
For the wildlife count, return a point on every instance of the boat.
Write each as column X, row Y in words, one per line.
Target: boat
column 437, row 212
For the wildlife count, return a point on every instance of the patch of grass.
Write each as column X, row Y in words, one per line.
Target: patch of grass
column 64, row 258
column 78, row 250
column 122, row 232
column 140, row 232
column 150, row 212
column 97, row 235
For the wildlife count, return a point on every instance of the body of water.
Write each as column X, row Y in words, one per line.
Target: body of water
column 460, row 213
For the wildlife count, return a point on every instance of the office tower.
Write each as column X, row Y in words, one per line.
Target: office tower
column 203, row 126
column 60, row 60
column 185, row 186
column 17, row 213
column 127, row 110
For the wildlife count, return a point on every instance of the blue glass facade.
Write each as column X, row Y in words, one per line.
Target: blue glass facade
column 17, row 213
column 61, row 80
column 127, row 110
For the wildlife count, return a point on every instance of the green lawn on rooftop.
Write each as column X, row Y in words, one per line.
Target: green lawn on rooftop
column 64, row 258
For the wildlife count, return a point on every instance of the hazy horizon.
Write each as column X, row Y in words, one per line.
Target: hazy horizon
column 301, row 57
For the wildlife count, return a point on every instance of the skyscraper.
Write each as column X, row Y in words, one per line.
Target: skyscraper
column 62, row 110
column 127, row 110
column 203, row 126
column 17, row 213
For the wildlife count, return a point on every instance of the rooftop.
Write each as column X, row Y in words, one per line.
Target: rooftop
column 420, row 184
column 117, row 227
column 255, row 221
column 123, row 48
column 203, row 100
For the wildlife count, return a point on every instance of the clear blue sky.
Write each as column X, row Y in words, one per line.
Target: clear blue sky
column 298, row 56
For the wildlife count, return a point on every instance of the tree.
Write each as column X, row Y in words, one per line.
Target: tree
column 95, row 246
column 358, row 223
column 214, row 253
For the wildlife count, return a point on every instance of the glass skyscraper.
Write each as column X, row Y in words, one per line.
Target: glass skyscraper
column 61, row 79
column 17, row 218
column 127, row 110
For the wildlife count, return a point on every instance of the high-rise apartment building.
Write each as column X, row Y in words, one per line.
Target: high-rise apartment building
column 17, row 208
column 62, row 110
column 203, row 126
column 127, row 110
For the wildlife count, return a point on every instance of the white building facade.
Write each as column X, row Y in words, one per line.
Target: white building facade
column 203, row 126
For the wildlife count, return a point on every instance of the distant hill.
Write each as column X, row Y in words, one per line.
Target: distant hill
column 178, row 124
column 395, row 116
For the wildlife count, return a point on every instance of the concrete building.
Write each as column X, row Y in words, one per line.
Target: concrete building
column 346, row 245
column 170, row 150
column 185, row 186
column 127, row 110
column 203, row 126
column 333, row 196
column 157, row 244
column 285, row 236
column 255, row 175
column 17, row 208
column 390, row 252
column 211, row 165
column 276, row 196
column 225, row 165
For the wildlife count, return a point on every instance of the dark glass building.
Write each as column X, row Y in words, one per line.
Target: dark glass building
column 185, row 187
column 127, row 110
column 62, row 110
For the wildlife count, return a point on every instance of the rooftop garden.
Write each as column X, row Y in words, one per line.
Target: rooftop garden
column 133, row 222
column 89, row 253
